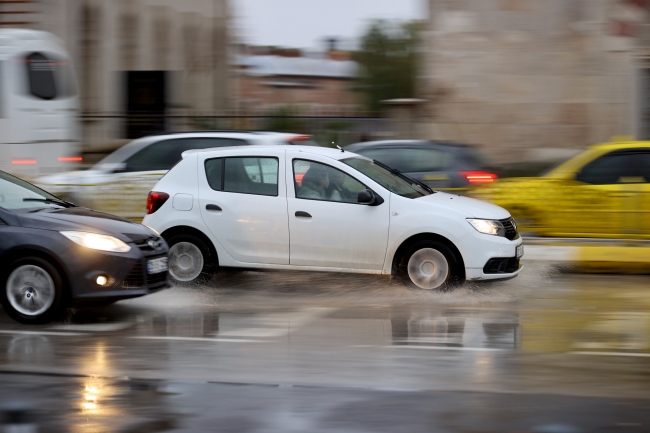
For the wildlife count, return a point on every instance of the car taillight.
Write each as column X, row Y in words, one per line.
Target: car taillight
column 479, row 177
column 70, row 159
column 298, row 138
column 23, row 162
column 155, row 200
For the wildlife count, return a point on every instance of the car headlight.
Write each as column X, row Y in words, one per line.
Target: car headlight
column 489, row 227
column 96, row 241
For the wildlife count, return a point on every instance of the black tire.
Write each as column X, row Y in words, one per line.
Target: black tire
column 37, row 266
column 454, row 271
column 209, row 262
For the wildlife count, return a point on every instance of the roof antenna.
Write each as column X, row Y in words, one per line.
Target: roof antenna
column 338, row 147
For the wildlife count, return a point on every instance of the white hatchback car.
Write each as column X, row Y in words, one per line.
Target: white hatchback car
column 318, row 209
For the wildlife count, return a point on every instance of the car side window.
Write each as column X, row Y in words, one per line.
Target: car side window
column 316, row 181
column 411, row 160
column 613, row 168
column 257, row 175
column 163, row 155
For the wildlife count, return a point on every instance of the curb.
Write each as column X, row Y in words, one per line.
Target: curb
column 595, row 257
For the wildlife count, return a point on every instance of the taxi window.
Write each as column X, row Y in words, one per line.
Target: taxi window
column 614, row 168
column 163, row 155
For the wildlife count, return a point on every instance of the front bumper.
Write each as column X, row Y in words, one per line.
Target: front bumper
column 127, row 275
column 481, row 252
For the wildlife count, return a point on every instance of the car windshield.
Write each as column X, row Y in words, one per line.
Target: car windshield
column 393, row 181
column 20, row 196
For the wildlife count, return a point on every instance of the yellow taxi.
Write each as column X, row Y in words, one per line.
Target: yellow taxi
column 603, row 192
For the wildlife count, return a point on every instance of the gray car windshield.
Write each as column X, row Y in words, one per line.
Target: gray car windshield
column 392, row 181
column 18, row 195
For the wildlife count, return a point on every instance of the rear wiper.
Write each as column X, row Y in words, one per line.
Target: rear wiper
column 50, row 200
column 405, row 177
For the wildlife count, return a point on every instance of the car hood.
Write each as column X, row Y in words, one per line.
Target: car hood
column 470, row 206
column 86, row 220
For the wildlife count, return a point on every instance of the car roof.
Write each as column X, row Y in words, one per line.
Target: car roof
column 134, row 146
column 408, row 143
column 322, row 151
column 622, row 143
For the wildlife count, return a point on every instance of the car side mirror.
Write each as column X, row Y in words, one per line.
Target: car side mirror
column 369, row 198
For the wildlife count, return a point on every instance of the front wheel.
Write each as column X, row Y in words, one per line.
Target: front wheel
column 189, row 259
column 33, row 291
column 430, row 265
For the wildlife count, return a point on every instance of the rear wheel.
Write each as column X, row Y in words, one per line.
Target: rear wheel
column 189, row 259
column 33, row 291
column 430, row 265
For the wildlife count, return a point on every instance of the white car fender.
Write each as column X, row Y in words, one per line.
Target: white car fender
column 410, row 217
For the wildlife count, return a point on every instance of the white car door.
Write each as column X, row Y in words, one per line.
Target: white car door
column 243, row 202
column 328, row 227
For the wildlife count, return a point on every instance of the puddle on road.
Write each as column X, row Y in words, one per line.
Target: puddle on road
column 89, row 404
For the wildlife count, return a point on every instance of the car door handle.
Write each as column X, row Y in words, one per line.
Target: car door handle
column 302, row 214
column 212, row 207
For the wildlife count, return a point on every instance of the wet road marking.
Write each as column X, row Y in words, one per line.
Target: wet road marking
column 61, row 334
column 632, row 354
column 278, row 324
column 466, row 349
column 96, row 327
column 202, row 339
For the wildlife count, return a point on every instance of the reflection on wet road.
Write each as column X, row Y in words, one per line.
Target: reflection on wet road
column 330, row 338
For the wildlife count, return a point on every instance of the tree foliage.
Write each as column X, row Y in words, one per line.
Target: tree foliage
column 389, row 57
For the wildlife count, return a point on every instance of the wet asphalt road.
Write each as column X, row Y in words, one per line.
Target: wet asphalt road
column 309, row 352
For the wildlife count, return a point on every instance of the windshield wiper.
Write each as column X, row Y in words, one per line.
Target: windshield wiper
column 50, row 201
column 405, row 177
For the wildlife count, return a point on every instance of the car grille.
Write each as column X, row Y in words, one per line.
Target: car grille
column 506, row 265
column 511, row 228
column 143, row 244
column 135, row 277
column 157, row 279
column 138, row 278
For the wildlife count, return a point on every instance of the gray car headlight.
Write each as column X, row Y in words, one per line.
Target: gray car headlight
column 488, row 227
column 96, row 241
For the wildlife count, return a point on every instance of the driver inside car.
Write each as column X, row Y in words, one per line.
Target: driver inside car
column 315, row 184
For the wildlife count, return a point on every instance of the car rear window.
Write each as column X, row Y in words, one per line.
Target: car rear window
column 411, row 160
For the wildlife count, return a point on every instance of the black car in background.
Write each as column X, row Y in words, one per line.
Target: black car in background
column 54, row 254
column 440, row 165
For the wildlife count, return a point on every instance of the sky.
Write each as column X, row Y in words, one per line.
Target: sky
column 306, row 23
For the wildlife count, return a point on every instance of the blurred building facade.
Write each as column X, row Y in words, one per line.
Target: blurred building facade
column 534, row 79
column 277, row 80
column 136, row 57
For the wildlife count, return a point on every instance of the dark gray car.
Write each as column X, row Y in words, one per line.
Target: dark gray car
column 54, row 254
column 440, row 165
